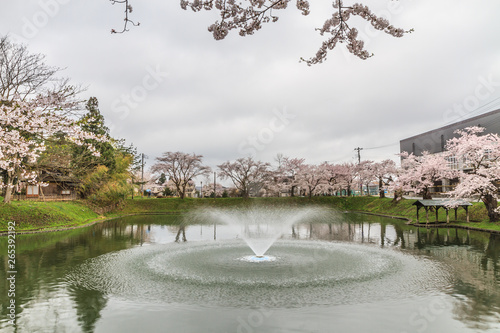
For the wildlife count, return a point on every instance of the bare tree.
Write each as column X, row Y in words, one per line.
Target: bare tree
column 181, row 168
column 244, row 172
column 26, row 77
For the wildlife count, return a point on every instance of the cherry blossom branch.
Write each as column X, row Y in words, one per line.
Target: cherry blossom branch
column 341, row 32
column 248, row 16
column 128, row 9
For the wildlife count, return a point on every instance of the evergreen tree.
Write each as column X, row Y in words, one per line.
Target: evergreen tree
column 93, row 122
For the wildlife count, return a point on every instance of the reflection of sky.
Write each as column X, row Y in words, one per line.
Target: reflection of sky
column 472, row 301
column 366, row 232
column 161, row 234
column 49, row 306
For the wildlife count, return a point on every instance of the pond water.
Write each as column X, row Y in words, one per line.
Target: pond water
column 340, row 273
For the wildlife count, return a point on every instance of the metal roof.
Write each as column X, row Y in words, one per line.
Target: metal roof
column 442, row 203
column 459, row 124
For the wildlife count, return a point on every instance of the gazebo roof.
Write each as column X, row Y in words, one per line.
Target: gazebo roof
column 442, row 203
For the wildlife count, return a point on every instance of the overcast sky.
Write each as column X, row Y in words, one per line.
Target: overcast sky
column 167, row 85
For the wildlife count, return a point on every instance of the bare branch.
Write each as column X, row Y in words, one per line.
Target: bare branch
column 26, row 77
column 128, row 10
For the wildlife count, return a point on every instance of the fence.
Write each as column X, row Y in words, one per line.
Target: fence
column 67, row 197
column 51, row 197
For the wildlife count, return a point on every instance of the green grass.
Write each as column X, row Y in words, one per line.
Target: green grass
column 30, row 215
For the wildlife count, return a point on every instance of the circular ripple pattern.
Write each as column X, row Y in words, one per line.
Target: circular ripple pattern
column 301, row 273
column 300, row 263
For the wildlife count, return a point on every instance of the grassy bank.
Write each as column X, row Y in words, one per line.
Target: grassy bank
column 31, row 215
column 56, row 215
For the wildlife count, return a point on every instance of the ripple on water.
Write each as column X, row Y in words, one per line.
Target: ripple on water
column 298, row 273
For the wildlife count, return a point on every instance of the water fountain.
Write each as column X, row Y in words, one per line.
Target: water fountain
column 225, row 272
column 261, row 227
column 257, row 276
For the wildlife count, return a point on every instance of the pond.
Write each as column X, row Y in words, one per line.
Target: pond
column 341, row 273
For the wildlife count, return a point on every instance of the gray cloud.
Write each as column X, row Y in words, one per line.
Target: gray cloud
column 218, row 93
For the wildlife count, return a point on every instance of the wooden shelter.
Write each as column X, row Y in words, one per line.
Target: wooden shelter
column 55, row 187
column 447, row 204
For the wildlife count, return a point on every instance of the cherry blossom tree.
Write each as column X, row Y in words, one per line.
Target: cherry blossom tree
column 479, row 156
column 283, row 178
column 181, row 168
column 24, row 126
column 310, row 177
column 420, row 173
column 244, row 173
column 333, row 177
column 366, row 173
column 347, row 175
column 398, row 187
column 145, row 180
column 384, row 172
column 248, row 16
column 291, row 168
column 208, row 190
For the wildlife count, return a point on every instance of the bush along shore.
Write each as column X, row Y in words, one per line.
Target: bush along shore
column 32, row 216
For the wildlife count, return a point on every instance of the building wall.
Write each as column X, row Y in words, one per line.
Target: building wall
column 435, row 140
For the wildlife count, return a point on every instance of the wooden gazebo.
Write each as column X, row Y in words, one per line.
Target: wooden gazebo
column 447, row 204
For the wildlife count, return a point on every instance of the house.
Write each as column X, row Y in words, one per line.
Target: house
column 53, row 186
column 157, row 189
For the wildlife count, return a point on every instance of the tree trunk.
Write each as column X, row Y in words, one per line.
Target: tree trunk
column 181, row 191
column 8, row 189
column 293, row 190
column 491, row 204
column 381, row 191
column 426, row 195
column 398, row 195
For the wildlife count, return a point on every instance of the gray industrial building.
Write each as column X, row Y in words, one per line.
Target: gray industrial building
column 434, row 141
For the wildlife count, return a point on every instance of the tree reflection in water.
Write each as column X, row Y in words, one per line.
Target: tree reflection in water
column 182, row 230
column 44, row 260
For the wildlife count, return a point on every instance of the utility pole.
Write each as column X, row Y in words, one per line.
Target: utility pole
column 214, row 183
column 215, row 221
column 359, row 154
column 142, row 174
column 359, row 162
column 201, row 190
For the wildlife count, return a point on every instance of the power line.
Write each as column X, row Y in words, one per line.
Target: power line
column 384, row 146
column 477, row 110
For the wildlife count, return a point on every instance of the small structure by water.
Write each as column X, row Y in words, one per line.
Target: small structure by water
column 446, row 204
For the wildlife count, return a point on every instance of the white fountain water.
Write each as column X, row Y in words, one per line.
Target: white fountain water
column 261, row 227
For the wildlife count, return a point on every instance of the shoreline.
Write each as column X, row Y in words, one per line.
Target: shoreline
column 88, row 224
column 409, row 222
